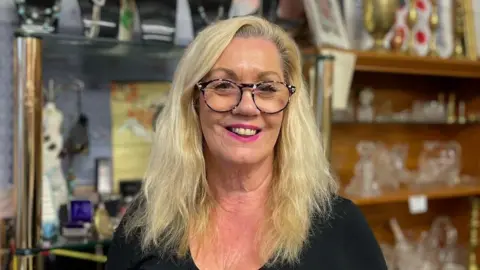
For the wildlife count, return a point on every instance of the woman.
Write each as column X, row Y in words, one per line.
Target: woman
column 237, row 178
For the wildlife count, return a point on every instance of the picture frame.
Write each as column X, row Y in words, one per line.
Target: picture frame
column 103, row 176
column 134, row 108
column 80, row 211
column 326, row 24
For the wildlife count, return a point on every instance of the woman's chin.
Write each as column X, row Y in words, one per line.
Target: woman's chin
column 243, row 157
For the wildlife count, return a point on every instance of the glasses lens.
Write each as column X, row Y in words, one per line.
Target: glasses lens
column 271, row 97
column 222, row 95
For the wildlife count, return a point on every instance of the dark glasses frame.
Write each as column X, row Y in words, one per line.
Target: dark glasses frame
column 201, row 86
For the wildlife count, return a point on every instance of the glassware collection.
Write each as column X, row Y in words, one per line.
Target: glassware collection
column 383, row 169
column 444, row 109
column 435, row 249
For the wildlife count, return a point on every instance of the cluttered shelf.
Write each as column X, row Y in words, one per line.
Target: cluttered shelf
column 404, row 64
column 390, row 62
column 405, row 194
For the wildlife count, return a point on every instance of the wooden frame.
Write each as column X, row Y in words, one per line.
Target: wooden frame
column 326, row 23
column 103, row 186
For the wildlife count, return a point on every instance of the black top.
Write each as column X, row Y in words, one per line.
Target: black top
column 344, row 242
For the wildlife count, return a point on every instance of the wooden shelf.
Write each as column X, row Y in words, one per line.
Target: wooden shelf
column 404, row 64
column 402, row 195
column 389, row 62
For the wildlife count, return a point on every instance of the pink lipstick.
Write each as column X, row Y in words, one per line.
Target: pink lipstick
column 244, row 133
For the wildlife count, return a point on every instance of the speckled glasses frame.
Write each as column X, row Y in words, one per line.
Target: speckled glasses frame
column 201, row 86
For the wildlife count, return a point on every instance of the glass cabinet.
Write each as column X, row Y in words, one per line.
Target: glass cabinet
column 72, row 95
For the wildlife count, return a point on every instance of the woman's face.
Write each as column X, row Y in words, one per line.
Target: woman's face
column 244, row 135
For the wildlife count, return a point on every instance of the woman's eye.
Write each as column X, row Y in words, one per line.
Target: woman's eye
column 267, row 88
column 223, row 86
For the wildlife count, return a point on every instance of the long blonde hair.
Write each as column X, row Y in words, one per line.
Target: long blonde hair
column 175, row 197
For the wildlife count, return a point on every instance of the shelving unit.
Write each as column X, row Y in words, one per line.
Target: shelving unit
column 403, row 79
column 403, row 194
column 424, row 66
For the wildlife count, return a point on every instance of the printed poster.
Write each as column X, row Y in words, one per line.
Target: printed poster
column 134, row 108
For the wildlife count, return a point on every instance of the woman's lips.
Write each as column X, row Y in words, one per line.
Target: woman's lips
column 243, row 138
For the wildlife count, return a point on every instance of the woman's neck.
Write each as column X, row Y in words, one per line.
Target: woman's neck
column 240, row 190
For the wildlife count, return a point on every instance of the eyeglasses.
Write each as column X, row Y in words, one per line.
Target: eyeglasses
column 223, row 95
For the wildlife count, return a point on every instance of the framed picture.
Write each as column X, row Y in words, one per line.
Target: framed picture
column 103, row 176
column 326, row 23
column 80, row 211
column 135, row 107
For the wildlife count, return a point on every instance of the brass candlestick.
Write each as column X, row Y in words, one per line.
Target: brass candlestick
column 451, row 116
column 411, row 21
column 379, row 16
column 462, row 119
column 473, row 241
column 434, row 24
column 459, row 31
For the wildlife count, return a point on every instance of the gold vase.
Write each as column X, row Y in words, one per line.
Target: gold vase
column 434, row 22
column 379, row 17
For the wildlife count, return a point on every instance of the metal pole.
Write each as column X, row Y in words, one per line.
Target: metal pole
column 27, row 146
column 326, row 85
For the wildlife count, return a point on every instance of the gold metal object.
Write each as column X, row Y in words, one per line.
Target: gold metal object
column 80, row 255
column 103, row 223
column 473, row 241
column 472, row 118
column 379, row 17
column 451, row 116
column 434, row 22
column 459, row 32
column 441, row 101
column 461, row 113
column 469, row 29
column 27, row 147
column 411, row 21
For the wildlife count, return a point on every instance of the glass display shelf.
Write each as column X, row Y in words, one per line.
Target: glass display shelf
column 103, row 60
column 64, row 244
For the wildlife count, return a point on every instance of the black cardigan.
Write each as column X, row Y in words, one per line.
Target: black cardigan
column 344, row 242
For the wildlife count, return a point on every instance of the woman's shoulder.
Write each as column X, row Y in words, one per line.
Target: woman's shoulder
column 342, row 214
column 344, row 236
column 125, row 251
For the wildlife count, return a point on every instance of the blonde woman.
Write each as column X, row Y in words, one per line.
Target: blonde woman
column 237, row 178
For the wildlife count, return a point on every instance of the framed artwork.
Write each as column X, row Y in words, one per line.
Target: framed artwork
column 134, row 110
column 103, row 176
column 326, row 23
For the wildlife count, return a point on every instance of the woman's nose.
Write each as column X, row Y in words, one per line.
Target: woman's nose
column 247, row 104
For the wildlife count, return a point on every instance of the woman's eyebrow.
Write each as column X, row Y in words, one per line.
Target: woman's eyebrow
column 230, row 74
column 267, row 75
